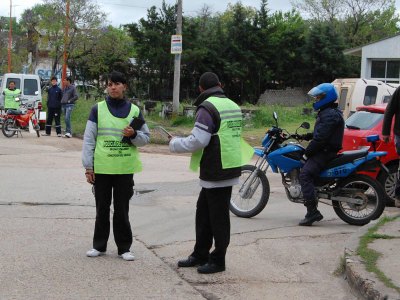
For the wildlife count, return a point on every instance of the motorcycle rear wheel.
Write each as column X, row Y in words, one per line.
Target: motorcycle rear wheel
column 255, row 199
column 7, row 125
column 373, row 197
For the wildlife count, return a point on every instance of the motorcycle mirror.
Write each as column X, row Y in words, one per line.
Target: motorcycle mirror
column 305, row 125
column 275, row 115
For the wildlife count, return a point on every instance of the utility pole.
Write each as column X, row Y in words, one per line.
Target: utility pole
column 64, row 67
column 177, row 70
column 10, row 41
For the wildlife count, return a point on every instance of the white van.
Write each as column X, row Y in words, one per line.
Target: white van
column 29, row 84
column 354, row 92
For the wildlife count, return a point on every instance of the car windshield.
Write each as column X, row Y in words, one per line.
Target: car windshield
column 363, row 120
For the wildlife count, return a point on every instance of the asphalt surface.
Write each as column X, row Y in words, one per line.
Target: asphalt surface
column 47, row 218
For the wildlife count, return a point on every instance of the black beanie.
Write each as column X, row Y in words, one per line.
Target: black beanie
column 208, row 80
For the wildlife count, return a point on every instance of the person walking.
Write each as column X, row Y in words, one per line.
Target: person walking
column 219, row 150
column 393, row 110
column 10, row 94
column 54, row 95
column 326, row 141
column 69, row 97
column 110, row 158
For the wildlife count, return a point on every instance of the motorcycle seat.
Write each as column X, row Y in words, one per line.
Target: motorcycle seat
column 346, row 157
column 14, row 112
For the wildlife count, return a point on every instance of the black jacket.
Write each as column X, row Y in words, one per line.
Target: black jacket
column 392, row 109
column 54, row 97
column 328, row 131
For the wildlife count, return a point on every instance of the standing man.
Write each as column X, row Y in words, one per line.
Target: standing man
column 110, row 163
column 326, row 141
column 218, row 149
column 10, row 94
column 68, row 100
column 393, row 109
column 54, row 95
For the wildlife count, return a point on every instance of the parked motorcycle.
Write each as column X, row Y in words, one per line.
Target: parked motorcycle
column 356, row 199
column 16, row 120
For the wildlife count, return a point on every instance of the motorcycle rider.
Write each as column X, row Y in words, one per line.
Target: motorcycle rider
column 326, row 141
column 10, row 94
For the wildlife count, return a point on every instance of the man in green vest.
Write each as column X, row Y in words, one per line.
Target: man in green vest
column 10, row 94
column 219, row 150
column 110, row 157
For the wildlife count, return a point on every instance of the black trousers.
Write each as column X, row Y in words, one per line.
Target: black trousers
column 310, row 171
column 120, row 189
column 53, row 113
column 212, row 222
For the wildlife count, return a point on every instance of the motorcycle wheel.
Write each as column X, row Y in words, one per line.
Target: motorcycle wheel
column 373, row 197
column 7, row 125
column 255, row 199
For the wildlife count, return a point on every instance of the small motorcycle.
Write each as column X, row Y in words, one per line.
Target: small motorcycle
column 356, row 199
column 16, row 120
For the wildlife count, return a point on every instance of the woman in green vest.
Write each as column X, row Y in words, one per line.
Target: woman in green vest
column 219, row 150
column 110, row 157
column 10, row 94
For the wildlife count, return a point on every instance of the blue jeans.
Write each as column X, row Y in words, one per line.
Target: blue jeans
column 67, row 110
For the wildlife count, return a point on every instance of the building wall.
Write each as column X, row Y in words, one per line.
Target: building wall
column 385, row 49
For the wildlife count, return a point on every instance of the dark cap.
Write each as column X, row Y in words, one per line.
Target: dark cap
column 115, row 77
column 208, row 80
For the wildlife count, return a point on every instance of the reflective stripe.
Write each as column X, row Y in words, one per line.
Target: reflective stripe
column 232, row 117
column 109, row 134
column 197, row 124
column 109, row 129
column 230, row 111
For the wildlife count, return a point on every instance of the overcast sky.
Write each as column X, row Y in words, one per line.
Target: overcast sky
column 128, row 11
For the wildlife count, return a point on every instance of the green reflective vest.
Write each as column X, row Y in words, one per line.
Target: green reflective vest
column 235, row 152
column 9, row 98
column 111, row 156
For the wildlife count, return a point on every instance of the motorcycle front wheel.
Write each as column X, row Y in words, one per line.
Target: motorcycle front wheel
column 251, row 195
column 363, row 188
column 8, row 128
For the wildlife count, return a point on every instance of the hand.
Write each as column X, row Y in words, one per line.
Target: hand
column 89, row 176
column 386, row 138
column 128, row 131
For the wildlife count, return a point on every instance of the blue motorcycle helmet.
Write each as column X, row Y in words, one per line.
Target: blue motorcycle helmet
column 323, row 94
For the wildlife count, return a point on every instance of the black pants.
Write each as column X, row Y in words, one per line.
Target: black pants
column 310, row 171
column 53, row 113
column 120, row 188
column 212, row 221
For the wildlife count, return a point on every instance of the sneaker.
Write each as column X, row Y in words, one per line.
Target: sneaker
column 68, row 135
column 59, row 135
column 94, row 253
column 127, row 256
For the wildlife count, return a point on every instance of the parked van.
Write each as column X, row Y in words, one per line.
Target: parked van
column 354, row 92
column 29, row 84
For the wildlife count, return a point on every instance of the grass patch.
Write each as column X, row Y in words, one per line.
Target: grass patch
column 370, row 256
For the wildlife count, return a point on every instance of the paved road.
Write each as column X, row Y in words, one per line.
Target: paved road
column 47, row 217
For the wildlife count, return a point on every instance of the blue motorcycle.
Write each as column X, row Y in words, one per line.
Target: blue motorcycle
column 356, row 198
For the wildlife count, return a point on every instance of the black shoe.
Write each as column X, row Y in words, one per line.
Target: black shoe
column 210, row 268
column 191, row 261
column 311, row 218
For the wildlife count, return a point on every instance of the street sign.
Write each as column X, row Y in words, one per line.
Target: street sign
column 176, row 44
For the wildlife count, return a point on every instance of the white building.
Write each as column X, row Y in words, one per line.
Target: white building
column 380, row 60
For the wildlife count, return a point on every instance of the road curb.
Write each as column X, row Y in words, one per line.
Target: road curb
column 365, row 283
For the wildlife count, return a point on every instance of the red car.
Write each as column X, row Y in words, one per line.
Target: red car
column 368, row 120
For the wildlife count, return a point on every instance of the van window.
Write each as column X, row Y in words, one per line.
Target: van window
column 16, row 80
column 30, row 87
column 370, row 95
column 386, row 99
column 342, row 99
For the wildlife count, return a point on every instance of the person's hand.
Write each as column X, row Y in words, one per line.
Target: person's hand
column 386, row 138
column 128, row 131
column 89, row 176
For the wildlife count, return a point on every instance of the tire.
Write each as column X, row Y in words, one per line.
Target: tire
column 388, row 182
column 246, row 207
column 7, row 125
column 373, row 196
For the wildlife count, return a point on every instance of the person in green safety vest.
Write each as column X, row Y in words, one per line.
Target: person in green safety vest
column 10, row 94
column 219, row 151
column 110, row 157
